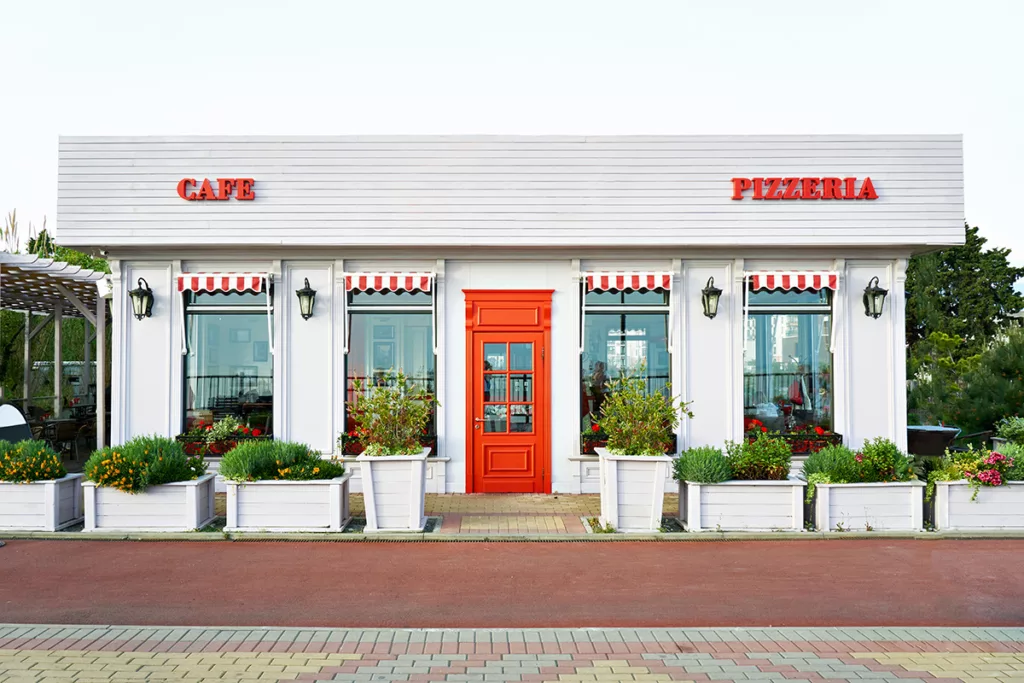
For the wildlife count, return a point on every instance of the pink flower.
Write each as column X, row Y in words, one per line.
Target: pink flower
column 859, row 457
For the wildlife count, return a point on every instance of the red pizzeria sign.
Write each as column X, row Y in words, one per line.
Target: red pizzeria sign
column 803, row 188
column 225, row 188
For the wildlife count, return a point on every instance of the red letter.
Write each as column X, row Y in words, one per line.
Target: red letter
column 245, row 189
column 810, row 189
column 183, row 186
column 206, row 190
column 850, row 194
column 792, row 188
column 225, row 187
column 738, row 185
column 831, row 188
column 774, row 191
column 758, row 188
column 867, row 190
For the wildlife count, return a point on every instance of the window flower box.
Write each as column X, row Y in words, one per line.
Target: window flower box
column 738, row 505
column 48, row 505
column 198, row 445
column 632, row 491
column 995, row 507
column 177, row 506
column 393, row 491
column 878, row 506
column 805, row 443
column 278, row 505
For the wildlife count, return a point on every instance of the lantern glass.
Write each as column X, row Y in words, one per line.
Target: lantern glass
column 307, row 299
column 142, row 300
column 709, row 297
column 874, row 298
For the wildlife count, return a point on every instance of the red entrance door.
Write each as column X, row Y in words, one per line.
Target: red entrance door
column 508, row 335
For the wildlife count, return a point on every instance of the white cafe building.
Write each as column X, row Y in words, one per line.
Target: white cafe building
column 513, row 277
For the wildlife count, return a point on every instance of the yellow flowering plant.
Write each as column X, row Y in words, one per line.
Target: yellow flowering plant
column 143, row 462
column 280, row 460
column 28, row 461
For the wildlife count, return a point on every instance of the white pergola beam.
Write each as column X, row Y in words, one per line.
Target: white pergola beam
column 76, row 302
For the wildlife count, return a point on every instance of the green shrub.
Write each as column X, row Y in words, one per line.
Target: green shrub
column 760, row 458
column 391, row 417
column 277, row 460
column 1011, row 429
column 836, row 462
column 28, row 461
column 638, row 422
column 1015, row 451
column 702, row 465
column 881, row 460
column 142, row 462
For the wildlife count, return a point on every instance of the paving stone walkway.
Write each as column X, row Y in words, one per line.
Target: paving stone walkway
column 106, row 653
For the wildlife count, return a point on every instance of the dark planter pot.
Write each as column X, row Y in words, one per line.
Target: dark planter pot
column 930, row 439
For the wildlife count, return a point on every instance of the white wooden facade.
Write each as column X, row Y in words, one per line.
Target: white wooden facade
column 508, row 213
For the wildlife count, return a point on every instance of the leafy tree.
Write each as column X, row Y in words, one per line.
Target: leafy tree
column 994, row 389
column 966, row 291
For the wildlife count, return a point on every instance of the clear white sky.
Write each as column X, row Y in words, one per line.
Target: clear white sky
column 519, row 66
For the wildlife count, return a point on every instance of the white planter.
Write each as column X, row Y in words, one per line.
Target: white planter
column 179, row 506
column 742, row 506
column 892, row 506
column 320, row 505
column 393, row 490
column 996, row 507
column 632, row 491
column 41, row 505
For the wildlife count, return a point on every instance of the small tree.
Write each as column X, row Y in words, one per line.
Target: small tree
column 391, row 417
column 639, row 422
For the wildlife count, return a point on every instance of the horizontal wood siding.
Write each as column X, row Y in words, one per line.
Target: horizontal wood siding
column 22, row 506
column 285, row 505
column 741, row 506
column 525, row 191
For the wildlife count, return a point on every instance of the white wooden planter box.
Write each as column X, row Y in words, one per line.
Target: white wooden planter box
column 632, row 491
column 742, row 506
column 996, row 507
column 47, row 505
column 393, row 490
column 179, row 506
column 320, row 505
column 880, row 506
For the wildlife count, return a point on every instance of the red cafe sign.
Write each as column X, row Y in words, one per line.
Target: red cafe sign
column 803, row 188
column 241, row 188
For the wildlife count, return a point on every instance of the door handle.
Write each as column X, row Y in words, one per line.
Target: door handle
column 479, row 419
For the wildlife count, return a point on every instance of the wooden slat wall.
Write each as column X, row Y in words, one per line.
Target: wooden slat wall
column 522, row 191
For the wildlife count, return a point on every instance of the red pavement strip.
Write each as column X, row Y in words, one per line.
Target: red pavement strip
column 505, row 585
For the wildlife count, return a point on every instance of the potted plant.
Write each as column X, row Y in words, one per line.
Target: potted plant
column 873, row 489
column 390, row 419
column 633, row 466
column 283, row 486
column 757, row 496
column 36, row 492
column 979, row 490
column 147, row 484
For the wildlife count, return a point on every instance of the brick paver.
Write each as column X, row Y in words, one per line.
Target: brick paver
column 71, row 653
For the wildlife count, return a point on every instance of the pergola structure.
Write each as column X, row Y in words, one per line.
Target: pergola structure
column 45, row 290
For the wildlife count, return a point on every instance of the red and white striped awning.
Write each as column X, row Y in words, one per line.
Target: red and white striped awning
column 617, row 282
column 222, row 282
column 388, row 282
column 790, row 280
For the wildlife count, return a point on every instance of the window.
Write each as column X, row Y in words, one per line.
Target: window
column 787, row 362
column 623, row 331
column 390, row 331
column 229, row 369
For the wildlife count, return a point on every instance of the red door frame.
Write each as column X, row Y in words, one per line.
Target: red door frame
column 520, row 301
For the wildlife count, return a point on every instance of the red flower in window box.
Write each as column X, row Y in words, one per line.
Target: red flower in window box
column 256, row 432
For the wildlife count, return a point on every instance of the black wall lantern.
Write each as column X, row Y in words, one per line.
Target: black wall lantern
column 874, row 298
column 142, row 300
column 709, row 297
column 307, row 297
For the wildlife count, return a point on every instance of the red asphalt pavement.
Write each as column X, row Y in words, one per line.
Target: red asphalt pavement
column 480, row 585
